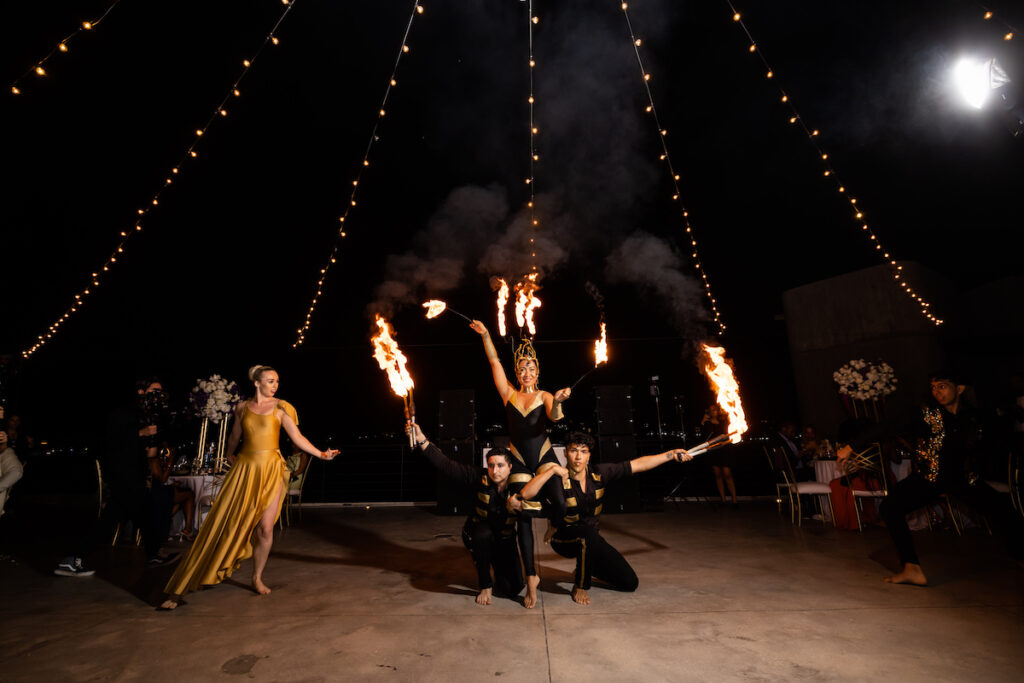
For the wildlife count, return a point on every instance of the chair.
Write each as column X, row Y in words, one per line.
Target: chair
column 1011, row 486
column 782, row 481
column 294, row 491
column 869, row 461
column 807, row 488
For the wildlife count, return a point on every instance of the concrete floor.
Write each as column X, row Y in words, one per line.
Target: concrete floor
column 387, row 594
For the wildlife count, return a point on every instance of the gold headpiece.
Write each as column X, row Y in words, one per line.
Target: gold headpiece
column 526, row 352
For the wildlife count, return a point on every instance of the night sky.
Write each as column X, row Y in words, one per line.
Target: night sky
column 222, row 275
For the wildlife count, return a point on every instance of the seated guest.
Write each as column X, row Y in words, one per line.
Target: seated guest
column 809, row 444
column 10, row 469
column 166, row 498
column 490, row 530
column 786, row 438
column 577, row 531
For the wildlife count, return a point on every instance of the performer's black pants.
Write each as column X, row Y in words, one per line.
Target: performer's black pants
column 489, row 549
column 595, row 558
column 915, row 492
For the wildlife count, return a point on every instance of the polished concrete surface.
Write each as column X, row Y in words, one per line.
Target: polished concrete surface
column 386, row 593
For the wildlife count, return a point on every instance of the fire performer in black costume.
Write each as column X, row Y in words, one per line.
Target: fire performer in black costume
column 577, row 532
column 490, row 530
column 948, row 433
column 526, row 408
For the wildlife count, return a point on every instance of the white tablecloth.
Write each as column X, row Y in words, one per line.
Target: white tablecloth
column 826, row 470
column 201, row 485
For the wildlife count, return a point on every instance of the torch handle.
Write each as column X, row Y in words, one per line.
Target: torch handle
column 573, row 385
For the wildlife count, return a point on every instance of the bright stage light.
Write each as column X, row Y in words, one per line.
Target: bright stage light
column 976, row 80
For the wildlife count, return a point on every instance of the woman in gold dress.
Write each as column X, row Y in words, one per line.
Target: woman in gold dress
column 249, row 502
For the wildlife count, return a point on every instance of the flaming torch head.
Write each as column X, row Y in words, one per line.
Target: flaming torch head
column 434, row 308
column 601, row 347
column 502, row 301
column 391, row 359
column 719, row 371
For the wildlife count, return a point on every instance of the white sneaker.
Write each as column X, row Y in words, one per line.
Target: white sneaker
column 72, row 566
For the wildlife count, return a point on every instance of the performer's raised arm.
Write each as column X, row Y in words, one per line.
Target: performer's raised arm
column 500, row 380
column 302, row 442
column 534, row 486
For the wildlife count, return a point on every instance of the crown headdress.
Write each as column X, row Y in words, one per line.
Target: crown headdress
column 526, row 352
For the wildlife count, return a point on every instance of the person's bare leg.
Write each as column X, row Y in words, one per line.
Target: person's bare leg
column 719, row 481
column 530, row 601
column 264, row 539
column 911, row 574
column 580, row 597
column 484, row 596
column 730, row 484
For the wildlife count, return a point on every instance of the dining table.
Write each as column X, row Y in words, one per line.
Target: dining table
column 204, row 487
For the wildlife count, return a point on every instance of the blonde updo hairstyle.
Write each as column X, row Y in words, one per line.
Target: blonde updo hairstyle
column 256, row 372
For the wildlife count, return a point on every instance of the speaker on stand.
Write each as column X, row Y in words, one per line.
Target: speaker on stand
column 456, row 420
column 616, row 443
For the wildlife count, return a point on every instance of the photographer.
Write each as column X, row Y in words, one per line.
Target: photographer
column 130, row 467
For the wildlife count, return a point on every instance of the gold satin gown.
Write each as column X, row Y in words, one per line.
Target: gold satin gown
column 225, row 539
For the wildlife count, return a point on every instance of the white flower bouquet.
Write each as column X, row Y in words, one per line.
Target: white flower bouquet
column 864, row 381
column 213, row 398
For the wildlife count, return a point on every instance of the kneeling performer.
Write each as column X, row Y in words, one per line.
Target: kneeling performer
column 490, row 531
column 577, row 532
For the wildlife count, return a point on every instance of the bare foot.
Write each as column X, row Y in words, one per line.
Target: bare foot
column 911, row 574
column 169, row 605
column 484, row 597
column 530, row 601
column 580, row 597
column 260, row 587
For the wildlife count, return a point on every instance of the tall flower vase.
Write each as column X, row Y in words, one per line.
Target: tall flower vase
column 207, row 443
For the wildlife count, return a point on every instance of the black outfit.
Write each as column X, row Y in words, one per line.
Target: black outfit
column 577, row 534
column 126, row 471
column 949, row 457
column 489, row 532
column 532, row 451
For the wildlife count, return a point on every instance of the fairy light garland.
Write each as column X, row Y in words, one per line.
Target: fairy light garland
column 62, row 47
column 989, row 15
column 534, row 157
column 417, row 8
column 829, row 171
column 125, row 235
column 666, row 157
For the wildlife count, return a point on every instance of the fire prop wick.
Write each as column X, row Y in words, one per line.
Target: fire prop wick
column 433, row 305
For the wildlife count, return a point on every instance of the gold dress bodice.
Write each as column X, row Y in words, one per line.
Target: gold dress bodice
column 260, row 432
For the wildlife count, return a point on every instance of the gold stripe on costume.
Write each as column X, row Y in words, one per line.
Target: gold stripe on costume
column 483, row 497
column 597, row 510
column 516, row 455
column 519, row 478
column 596, row 476
column 570, row 502
column 545, row 448
column 481, row 512
column 531, row 505
column 572, row 519
column 599, row 492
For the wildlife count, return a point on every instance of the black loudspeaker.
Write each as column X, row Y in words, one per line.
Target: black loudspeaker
column 456, row 414
column 452, row 498
column 614, row 408
column 622, row 495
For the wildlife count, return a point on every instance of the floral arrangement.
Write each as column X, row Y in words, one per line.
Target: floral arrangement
column 862, row 380
column 213, row 398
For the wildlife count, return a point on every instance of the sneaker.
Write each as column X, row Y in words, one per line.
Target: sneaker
column 163, row 560
column 72, row 566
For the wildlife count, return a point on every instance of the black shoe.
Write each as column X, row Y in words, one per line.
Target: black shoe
column 163, row 560
column 72, row 566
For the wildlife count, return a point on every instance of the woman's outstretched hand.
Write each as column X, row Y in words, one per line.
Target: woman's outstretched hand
column 563, row 394
column 329, row 454
column 478, row 327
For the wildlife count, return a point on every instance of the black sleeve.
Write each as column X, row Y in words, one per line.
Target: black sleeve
column 456, row 471
column 615, row 470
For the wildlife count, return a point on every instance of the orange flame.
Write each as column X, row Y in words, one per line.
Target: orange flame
column 434, row 308
column 502, row 301
column 719, row 371
column 601, row 347
column 526, row 302
column 391, row 359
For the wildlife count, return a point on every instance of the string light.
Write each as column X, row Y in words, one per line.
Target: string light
column 989, row 15
column 125, row 235
column 829, row 171
column 534, row 230
column 332, row 258
column 61, row 47
column 694, row 254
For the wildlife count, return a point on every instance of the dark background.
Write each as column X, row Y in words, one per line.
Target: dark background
column 223, row 273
